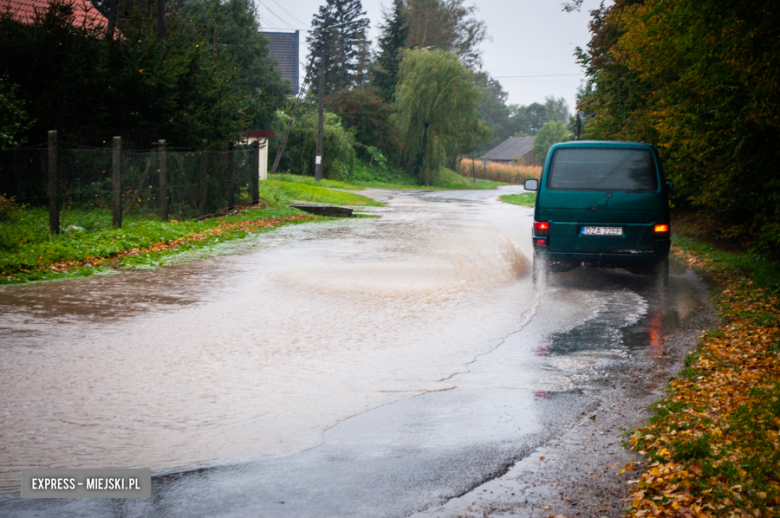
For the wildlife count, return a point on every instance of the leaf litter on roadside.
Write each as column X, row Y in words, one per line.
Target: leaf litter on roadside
column 712, row 446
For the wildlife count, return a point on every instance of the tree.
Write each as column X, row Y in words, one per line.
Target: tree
column 699, row 79
column 338, row 43
column 370, row 117
column 492, row 110
column 446, row 25
column 339, row 146
column 556, row 109
column 527, row 120
column 437, row 109
column 14, row 120
column 194, row 88
column 231, row 27
column 551, row 133
column 394, row 33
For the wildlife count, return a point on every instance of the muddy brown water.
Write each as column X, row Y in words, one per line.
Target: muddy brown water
column 367, row 368
column 257, row 353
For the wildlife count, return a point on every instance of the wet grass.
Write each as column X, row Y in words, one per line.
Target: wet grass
column 290, row 190
column 713, row 444
column 527, row 199
column 366, row 175
column 90, row 244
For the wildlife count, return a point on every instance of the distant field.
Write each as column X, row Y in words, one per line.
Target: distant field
column 506, row 173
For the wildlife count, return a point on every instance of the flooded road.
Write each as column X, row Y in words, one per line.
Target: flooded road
column 369, row 367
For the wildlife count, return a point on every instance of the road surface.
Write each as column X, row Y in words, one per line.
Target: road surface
column 374, row 367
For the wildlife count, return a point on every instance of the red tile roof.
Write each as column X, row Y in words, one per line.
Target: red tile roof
column 85, row 13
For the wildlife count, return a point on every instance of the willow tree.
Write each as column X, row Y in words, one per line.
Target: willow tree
column 437, row 106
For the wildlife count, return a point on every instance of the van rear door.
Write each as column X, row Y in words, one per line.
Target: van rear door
column 602, row 200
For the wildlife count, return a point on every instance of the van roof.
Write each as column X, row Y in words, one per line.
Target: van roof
column 605, row 143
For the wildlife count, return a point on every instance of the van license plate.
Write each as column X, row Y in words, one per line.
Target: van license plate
column 602, row 231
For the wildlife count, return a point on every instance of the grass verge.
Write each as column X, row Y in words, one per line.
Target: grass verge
column 527, row 199
column 91, row 245
column 286, row 189
column 365, row 175
column 712, row 445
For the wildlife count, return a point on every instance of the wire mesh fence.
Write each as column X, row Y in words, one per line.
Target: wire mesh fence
column 165, row 182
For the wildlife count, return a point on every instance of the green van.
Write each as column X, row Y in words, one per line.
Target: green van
column 602, row 204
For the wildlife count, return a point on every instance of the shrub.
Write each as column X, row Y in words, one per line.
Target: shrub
column 9, row 209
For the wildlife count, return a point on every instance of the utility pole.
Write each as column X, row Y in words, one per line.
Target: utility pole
column 321, row 109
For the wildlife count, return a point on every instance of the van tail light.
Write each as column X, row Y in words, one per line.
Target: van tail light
column 661, row 229
column 540, row 241
column 541, row 228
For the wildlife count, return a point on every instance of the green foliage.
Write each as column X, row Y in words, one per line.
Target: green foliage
column 375, row 174
column 338, row 146
column 339, row 31
column 14, row 120
column 370, row 117
column 700, row 79
column 436, row 110
column 761, row 271
column 232, row 28
column 9, row 209
column 528, row 120
column 196, row 86
column 95, row 237
column 551, row 133
column 493, row 111
column 447, row 25
column 384, row 72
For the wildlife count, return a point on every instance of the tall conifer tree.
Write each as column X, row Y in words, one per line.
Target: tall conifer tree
column 385, row 70
column 339, row 28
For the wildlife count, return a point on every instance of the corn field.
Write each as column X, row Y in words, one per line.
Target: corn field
column 507, row 173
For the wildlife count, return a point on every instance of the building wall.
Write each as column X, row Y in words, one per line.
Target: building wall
column 284, row 47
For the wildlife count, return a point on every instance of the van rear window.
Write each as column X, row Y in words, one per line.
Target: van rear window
column 602, row 169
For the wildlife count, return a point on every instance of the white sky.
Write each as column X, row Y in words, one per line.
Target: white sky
column 528, row 38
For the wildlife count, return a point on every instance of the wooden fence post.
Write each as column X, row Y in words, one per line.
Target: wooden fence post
column 203, row 177
column 53, row 191
column 231, row 176
column 254, row 168
column 162, row 168
column 116, row 180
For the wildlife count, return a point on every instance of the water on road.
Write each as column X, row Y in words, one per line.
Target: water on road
column 369, row 367
column 254, row 354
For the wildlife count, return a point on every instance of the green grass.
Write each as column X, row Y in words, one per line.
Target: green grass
column 450, row 180
column 760, row 270
column 527, row 199
column 292, row 190
column 309, row 180
column 366, row 175
column 26, row 246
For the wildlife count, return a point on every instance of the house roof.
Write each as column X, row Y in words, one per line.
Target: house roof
column 85, row 14
column 510, row 149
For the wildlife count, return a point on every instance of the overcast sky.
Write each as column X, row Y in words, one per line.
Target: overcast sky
column 527, row 38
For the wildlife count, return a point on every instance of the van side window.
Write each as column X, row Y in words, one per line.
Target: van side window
column 602, row 169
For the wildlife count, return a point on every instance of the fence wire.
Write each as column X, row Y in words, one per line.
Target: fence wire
column 198, row 182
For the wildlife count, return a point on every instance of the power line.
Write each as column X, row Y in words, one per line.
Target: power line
column 284, row 22
column 288, row 13
column 544, row 75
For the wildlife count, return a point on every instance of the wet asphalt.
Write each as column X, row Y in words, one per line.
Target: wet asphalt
column 580, row 337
